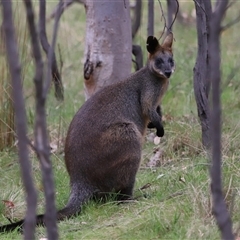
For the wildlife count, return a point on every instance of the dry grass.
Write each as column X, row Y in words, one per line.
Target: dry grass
column 7, row 121
column 7, row 126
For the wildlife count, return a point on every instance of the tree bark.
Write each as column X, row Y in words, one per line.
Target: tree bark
column 201, row 70
column 108, row 45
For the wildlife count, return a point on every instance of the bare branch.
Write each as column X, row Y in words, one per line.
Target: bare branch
column 51, row 53
column 60, row 59
column 21, row 119
column 46, row 47
column 137, row 17
column 230, row 24
column 170, row 27
column 150, row 28
column 63, row 6
column 168, row 24
column 137, row 52
column 230, row 4
column 165, row 22
column 40, row 131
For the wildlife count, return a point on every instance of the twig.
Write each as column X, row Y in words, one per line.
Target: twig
column 231, row 75
column 9, row 219
column 165, row 22
column 231, row 23
column 31, row 145
column 175, row 15
column 230, row 4
column 62, row 5
column 56, row 76
column 60, row 59
column 51, row 54
column 176, row 194
column 163, row 16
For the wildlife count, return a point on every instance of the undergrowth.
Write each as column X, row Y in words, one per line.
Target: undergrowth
column 172, row 198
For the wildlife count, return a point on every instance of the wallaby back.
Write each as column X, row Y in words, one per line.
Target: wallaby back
column 104, row 140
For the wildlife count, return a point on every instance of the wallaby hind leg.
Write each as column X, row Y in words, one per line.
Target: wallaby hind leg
column 126, row 193
column 119, row 162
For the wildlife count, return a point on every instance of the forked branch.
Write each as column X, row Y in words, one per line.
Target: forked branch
column 168, row 25
column 56, row 76
column 63, row 6
column 40, row 131
column 231, row 23
column 175, row 17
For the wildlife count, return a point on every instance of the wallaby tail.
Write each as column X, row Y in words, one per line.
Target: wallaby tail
column 73, row 207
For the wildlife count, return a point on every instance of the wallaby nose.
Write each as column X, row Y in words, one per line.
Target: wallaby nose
column 167, row 73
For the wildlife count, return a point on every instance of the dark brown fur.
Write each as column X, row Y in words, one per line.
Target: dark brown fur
column 104, row 141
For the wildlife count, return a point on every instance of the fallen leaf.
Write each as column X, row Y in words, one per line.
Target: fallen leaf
column 156, row 140
column 8, row 203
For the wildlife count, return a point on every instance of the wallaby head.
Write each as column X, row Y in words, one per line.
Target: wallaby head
column 160, row 60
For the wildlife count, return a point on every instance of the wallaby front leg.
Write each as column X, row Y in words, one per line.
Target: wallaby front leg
column 155, row 118
column 159, row 111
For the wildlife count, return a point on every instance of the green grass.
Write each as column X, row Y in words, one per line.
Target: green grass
column 177, row 203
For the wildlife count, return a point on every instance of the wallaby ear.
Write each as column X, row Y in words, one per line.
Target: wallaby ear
column 152, row 44
column 167, row 43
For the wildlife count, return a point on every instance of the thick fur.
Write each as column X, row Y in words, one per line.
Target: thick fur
column 104, row 141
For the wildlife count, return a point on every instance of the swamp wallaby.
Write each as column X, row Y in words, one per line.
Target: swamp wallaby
column 104, row 141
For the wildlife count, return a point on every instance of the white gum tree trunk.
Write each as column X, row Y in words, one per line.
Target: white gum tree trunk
column 108, row 44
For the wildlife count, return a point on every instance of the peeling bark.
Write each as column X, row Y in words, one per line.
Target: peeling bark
column 108, row 45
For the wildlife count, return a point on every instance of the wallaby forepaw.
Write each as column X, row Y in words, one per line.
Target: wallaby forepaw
column 160, row 132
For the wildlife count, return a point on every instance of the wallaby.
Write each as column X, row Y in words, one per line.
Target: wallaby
column 104, row 140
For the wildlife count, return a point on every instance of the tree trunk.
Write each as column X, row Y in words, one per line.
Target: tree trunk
column 219, row 209
column 201, row 75
column 108, row 46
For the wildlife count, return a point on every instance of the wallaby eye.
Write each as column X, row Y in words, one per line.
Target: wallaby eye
column 159, row 61
column 170, row 60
